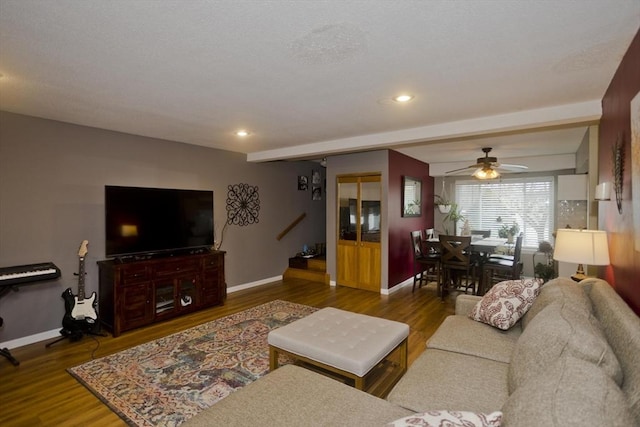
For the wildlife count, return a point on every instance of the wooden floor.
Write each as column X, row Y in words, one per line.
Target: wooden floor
column 40, row 392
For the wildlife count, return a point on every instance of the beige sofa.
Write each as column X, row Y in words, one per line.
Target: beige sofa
column 572, row 360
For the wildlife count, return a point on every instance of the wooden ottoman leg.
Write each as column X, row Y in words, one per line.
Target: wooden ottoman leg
column 403, row 355
column 359, row 383
column 273, row 358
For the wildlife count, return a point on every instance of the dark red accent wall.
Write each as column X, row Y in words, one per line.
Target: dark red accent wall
column 400, row 256
column 624, row 272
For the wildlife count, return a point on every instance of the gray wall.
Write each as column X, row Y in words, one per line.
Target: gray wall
column 52, row 178
column 357, row 163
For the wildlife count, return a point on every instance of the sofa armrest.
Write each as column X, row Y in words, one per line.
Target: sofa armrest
column 464, row 303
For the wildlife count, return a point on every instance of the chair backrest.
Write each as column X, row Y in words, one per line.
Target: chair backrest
column 455, row 250
column 518, row 249
column 430, row 233
column 484, row 233
column 416, row 244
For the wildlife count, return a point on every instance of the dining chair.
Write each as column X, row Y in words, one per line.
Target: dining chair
column 496, row 269
column 430, row 233
column 426, row 261
column 456, row 264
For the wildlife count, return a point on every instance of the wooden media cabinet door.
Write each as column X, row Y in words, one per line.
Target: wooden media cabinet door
column 135, row 307
column 212, row 290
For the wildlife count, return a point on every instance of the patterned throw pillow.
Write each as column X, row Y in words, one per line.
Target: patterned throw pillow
column 450, row 418
column 506, row 302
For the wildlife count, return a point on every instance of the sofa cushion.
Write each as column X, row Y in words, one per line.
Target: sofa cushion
column 570, row 392
column 463, row 335
column 294, row 396
column 449, row 418
column 622, row 328
column 559, row 290
column 439, row 380
column 506, row 302
column 559, row 331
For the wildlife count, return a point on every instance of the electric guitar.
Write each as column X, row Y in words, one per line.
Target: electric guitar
column 80, row 312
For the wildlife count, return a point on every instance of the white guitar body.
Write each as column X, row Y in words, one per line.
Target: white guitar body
column 85, row 309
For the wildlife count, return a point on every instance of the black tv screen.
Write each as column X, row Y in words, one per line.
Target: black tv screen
column 149, row 220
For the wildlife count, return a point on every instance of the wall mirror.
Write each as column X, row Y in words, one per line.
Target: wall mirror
column 411, row 196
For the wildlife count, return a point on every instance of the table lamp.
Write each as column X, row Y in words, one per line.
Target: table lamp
column 582, row 247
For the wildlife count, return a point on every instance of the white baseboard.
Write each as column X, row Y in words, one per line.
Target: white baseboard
column 253, row 284
column 42, row 336
column 397, row 287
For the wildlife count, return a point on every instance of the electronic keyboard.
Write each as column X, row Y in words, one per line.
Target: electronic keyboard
column 10, row 276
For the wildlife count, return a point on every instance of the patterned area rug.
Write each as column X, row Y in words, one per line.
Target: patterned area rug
column 167, row 381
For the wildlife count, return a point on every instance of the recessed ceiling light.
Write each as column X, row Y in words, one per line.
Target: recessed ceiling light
column 242, row 133
column 403, row 98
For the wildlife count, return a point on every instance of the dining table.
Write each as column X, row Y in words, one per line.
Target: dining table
column 482, row 248
column 487, row 245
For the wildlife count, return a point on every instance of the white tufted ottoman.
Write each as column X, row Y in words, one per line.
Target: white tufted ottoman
column 344, row 343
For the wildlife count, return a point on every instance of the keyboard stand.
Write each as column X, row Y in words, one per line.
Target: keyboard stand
column 9, row 285
column 6, row 353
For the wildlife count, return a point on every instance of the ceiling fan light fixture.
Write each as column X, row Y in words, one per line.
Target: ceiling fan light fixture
column 486, row 173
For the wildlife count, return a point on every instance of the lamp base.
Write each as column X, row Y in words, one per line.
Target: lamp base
column 579, row 277
column 579, row 274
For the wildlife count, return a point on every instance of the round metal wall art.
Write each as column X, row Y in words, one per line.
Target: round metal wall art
column 243, row 204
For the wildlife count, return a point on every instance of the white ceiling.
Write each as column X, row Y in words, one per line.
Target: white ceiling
column 310, row 79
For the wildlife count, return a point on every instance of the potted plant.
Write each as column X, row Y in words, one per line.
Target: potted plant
column 544, row 271
column 443, row 204
column 454, row 215
column 507, row 232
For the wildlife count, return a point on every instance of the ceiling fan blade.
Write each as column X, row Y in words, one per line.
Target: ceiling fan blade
column 457, row 171
column 512, row 168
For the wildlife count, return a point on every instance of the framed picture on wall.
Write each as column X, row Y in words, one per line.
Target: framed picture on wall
column 411, row 196
column 303, row 183
column 315, row 177
column 316, row 192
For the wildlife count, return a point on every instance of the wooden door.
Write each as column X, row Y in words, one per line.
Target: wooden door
column 359, row 215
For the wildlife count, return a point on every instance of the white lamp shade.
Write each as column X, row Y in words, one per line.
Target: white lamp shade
column 582, row 246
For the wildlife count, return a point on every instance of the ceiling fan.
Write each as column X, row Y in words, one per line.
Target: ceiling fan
column 488, row 167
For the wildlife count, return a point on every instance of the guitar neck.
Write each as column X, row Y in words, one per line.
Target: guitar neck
column 81, row 275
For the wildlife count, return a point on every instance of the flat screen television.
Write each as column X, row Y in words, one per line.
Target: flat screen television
column 156, row 220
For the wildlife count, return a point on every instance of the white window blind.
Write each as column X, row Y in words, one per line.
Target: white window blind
column 527, row 202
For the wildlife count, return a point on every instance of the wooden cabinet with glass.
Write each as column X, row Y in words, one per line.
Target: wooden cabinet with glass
column 138, row 293
column 359, row 221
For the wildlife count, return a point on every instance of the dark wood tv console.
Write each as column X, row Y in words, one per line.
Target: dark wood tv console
column 138, row 293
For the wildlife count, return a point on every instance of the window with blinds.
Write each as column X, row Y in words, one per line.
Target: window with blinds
column 527, row 202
